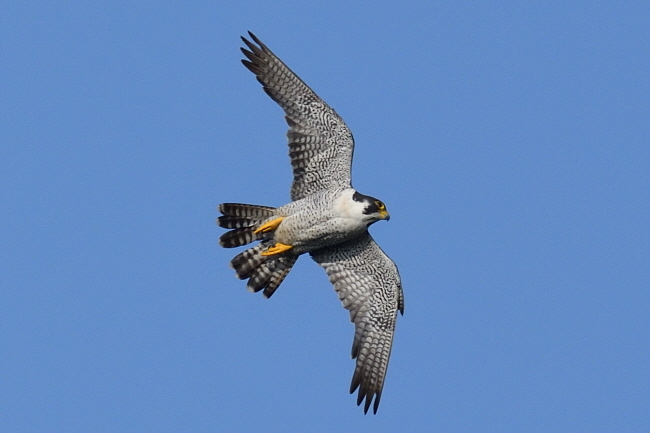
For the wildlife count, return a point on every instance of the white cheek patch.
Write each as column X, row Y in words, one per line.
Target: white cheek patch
column 347, row 207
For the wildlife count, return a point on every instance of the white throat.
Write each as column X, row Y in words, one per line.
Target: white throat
column 347, row 207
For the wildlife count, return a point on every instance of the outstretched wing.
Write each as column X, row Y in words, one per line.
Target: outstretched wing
column 368, row 285
column 320, row 144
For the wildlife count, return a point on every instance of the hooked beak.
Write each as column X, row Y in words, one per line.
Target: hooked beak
column 384, row 215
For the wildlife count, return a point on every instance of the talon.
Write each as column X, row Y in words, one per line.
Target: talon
column 276, row 249
column 269, row 226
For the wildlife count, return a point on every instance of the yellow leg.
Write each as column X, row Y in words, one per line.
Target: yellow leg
column 276, row 249
column 269, row 226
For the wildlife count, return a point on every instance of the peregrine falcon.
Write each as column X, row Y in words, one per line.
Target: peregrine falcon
column 326, row 218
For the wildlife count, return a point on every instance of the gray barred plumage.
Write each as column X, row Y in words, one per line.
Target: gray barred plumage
column 368, row 285
column 326, row 218
column 320, row 143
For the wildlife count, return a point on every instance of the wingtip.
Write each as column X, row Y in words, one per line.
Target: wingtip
column 255, row 38
column 375, row 406
column 369, row 402
column 366, row 405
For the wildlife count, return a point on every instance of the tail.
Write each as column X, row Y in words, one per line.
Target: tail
column 243, row 219
column 263, row 272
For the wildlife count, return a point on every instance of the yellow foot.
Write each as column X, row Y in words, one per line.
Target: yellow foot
column 269, row 226
column 276, row 249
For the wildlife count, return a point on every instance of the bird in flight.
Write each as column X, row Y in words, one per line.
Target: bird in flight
column 326, row 218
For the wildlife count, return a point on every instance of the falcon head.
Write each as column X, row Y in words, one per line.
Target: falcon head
column 374, row 209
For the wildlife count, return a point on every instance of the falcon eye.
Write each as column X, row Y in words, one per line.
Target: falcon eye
column 380, row 205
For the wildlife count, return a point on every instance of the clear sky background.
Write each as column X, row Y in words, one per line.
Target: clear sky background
column 509, row 140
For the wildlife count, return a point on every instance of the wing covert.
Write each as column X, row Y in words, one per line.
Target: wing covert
column 368, row 285
column 320, row 144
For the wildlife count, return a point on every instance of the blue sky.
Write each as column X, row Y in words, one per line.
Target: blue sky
column 509, row 140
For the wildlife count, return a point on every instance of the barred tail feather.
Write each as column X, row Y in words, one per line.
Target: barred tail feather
column 238, row 237
column 246, row 210
column 263, row 272
column 247, row 261
column 275, row 272
column 243, row 219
